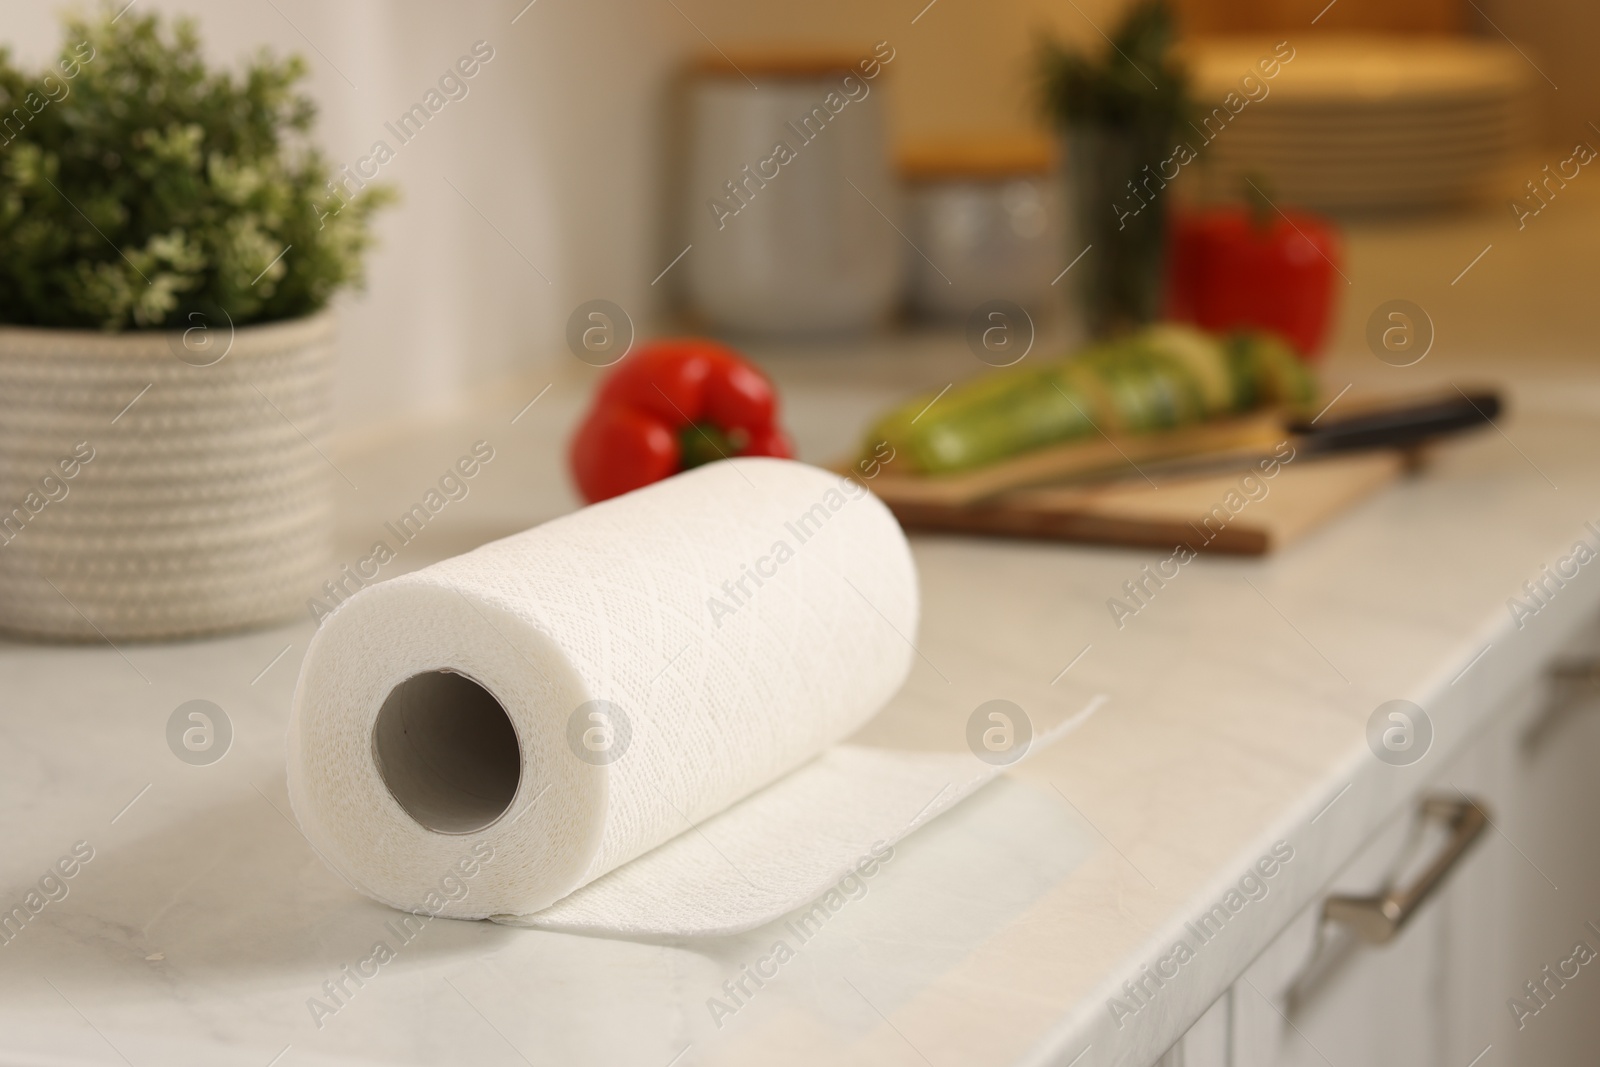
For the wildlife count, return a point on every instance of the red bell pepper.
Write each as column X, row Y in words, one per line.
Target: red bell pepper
column 670, row 406
column 1231, row 268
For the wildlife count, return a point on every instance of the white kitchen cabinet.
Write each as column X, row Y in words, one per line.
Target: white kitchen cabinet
column 1553, row 907
column 1209, row 1042
column 1520, row 900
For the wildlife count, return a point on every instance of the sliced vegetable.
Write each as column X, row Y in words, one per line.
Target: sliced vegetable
column 1266, row 371
column 1162, row 377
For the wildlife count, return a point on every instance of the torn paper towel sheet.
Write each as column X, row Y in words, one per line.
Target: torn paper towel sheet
column 781, row 848
column 662, row 678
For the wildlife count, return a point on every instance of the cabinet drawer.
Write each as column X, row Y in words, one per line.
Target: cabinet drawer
column 1323, row 992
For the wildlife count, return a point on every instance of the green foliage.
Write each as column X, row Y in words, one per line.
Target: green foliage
column 1134, row 84
column 137, row 185
column 1120, row 111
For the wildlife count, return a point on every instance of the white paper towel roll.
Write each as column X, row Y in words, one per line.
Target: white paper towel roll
column 489, row 735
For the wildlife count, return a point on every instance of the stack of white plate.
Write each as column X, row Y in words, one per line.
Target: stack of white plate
column 1360, row 123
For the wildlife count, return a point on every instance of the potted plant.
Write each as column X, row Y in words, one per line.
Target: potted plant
column 169, row 243
column 1119, row 114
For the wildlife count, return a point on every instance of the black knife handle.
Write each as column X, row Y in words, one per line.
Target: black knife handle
column 1402, row 425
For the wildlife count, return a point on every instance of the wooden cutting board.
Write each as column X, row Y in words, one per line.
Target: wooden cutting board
column 1216, row 512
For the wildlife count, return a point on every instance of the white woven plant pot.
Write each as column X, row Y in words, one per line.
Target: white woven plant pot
column 206, row 506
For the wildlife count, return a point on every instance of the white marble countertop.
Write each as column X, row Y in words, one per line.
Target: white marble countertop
column 204, row 923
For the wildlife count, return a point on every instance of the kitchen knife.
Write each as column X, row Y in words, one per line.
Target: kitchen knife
column 1402, row 425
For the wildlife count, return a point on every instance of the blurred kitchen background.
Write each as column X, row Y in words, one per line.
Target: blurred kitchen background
column 585, row 156
column 553, row 182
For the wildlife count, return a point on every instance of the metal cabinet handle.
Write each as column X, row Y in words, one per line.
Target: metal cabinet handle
column 1578, row 671
column 1573, row 683
column 1377, row 919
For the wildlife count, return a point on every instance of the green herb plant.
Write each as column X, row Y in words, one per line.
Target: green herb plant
column 1119, row 111
column 138, row 185
column 1133, row 84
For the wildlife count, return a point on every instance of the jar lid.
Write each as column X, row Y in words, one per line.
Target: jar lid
column 976, row 157
column 782, row 63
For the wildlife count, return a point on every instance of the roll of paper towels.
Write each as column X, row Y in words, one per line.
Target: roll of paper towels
column 627, row 719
